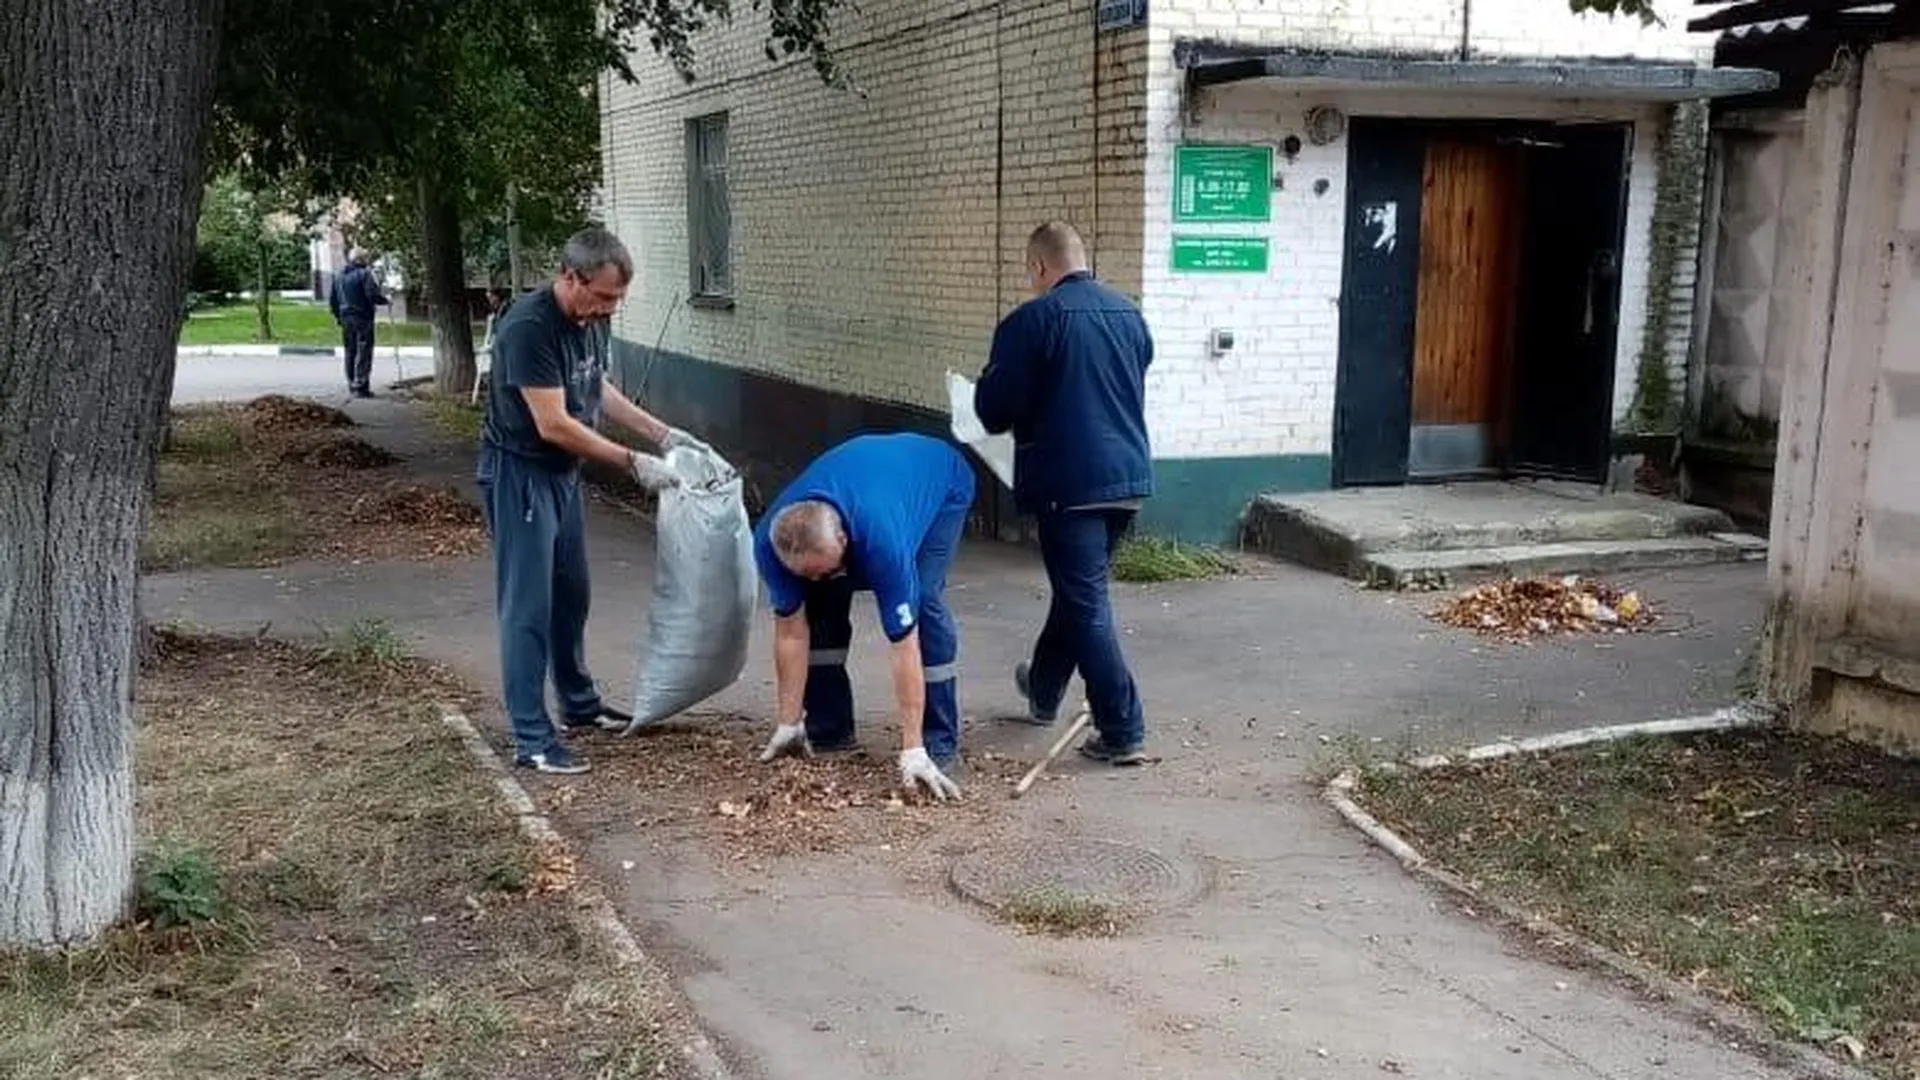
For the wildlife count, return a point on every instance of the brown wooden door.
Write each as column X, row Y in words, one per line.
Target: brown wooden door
column 1463, row 328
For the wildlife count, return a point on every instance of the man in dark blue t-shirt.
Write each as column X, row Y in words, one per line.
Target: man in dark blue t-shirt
column 548, row 392
column 1067, row 376
column 879, row 513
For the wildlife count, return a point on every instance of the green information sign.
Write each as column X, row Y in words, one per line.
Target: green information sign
column 1222, row 183
column 1220, row 254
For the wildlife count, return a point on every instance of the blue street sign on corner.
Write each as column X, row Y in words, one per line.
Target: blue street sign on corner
column 1122, row 14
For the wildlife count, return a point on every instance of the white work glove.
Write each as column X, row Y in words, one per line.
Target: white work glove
column 787, row 739
column 677, row 438
column 917, row 768
column 651, row 473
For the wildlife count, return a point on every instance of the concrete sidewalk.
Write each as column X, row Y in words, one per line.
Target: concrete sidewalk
column 1308, row 954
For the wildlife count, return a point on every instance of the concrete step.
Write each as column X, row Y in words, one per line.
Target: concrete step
column 1338, row 531
column 1456, row 567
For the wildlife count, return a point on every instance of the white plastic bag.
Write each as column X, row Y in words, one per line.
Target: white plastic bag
column 704, row 590
column 995, row 450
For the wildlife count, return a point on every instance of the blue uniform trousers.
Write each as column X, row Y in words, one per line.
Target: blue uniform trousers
column 829, row 694
column 1077, row 547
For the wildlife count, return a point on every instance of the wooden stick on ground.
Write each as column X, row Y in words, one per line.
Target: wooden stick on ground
column 1079, row 725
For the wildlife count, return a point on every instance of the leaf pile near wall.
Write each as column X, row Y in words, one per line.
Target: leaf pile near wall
column 1673, row 245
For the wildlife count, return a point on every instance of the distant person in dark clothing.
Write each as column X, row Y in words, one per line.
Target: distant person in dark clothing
column 356, row 292
column 1067, row 375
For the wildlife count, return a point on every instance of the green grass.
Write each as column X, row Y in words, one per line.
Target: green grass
column 1779, row 871
column 294, row 322
column 455, row 416
column 1062, row 914
column 346, row 898
column 215, row 505
column 1146, row 559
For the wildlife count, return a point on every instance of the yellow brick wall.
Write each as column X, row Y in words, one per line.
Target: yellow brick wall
column 877, row 235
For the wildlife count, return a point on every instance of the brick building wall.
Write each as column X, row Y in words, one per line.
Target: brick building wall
column 876, row 238
column 876, row 235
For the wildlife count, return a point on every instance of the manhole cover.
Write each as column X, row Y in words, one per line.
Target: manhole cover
column 1121, row 875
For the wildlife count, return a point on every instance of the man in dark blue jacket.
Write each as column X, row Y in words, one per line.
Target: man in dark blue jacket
column 354, row 295
column 1067, row 376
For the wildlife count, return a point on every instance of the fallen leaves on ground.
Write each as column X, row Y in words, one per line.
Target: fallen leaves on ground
column 1520, row 609
column 278, row 478
column 702, row 776
column 279, row 414
column 335, row 450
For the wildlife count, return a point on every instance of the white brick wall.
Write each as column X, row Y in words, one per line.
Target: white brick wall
column 877, row 240
column 1274, row 393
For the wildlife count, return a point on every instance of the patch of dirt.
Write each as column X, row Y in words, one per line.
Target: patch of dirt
column 377, row 910
column 701, row 779
column 333, row 450
column 1780, row 871
column 279, row 414
column 233, row 493
column 1522, row 609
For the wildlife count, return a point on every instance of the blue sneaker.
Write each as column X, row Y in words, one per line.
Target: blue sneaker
column 555, row 759
column 1023, row 682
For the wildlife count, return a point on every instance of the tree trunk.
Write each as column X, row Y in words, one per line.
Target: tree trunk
column 513, row 240
column 446, row 266
column 103, row 118
column 263, row 302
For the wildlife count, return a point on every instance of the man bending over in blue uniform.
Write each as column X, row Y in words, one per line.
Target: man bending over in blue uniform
column 881, row 513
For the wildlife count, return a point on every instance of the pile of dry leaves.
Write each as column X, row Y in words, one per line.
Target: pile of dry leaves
column 279, row 414
column 334, row 450
column 416, row 505
column 1519, row 609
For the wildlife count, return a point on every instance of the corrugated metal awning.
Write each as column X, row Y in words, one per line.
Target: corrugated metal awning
column 1212, row 64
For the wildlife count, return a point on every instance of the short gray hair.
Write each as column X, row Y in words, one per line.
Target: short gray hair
column 593, row 248
column 805, row 528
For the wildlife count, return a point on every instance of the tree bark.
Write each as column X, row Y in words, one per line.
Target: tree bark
column 263, row 300
column 446, row 266
column 103, row 125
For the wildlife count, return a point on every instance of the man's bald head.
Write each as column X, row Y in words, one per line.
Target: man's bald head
column 1054, row 250
column 809, row 539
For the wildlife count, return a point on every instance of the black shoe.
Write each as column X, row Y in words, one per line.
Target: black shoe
column 362, row 392
column 846, row 745
column 1098, row 748
column 605, row 718
column 1023, row 682
column 556, row 759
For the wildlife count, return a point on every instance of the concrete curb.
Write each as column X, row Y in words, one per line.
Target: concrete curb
column 591, row 902
column 1710, row 1013
column 410, row 352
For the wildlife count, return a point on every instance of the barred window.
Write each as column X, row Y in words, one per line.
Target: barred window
column 709, row 208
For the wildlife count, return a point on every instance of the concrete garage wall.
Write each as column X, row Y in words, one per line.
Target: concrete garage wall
column 1844, row 633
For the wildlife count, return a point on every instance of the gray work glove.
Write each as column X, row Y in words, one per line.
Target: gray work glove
column 917, row 768
column 651, row 473
column 677, row 438
column 787, row 739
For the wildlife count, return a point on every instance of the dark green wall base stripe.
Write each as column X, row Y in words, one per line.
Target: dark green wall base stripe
column 771, row 428
column 1201, row 499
